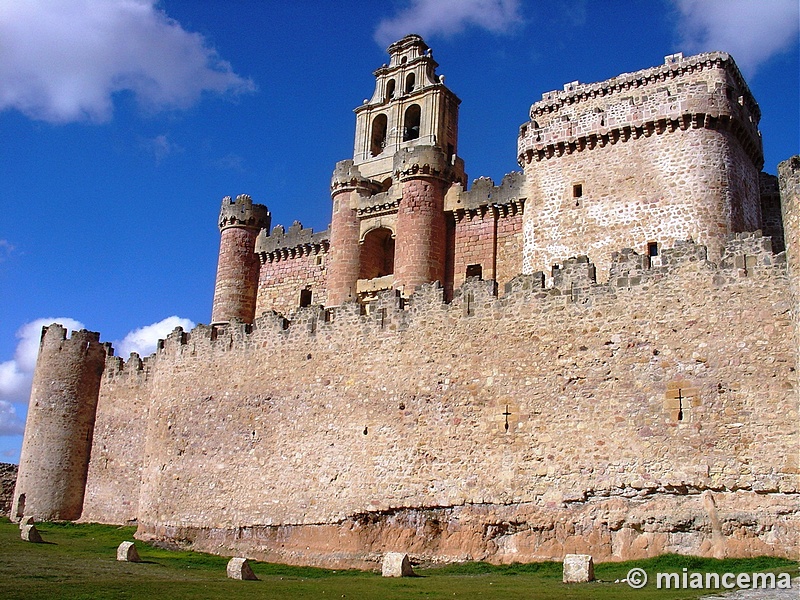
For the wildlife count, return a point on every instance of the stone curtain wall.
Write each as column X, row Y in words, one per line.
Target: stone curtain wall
column 282, row 279
column 115, row 469
column 365, row 432
column 292, row 261
column 490, row 237
column 659, row 155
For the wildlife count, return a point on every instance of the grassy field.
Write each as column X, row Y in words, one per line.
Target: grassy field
column 79, row 561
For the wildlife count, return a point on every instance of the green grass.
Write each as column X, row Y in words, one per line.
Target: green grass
column 79, row 562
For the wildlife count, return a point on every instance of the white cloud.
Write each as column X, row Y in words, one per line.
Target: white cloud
column 428, row 17
column 143, row 340
column 161, row 147
column 10, row 423
column 6, row 249
column 62, row 60
column 751, row 31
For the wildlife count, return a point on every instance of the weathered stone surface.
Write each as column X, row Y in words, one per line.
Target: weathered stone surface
column 239, row 568
column 126, row 552
column 8, row 479
column 54, row 460
column 29, row 533
column 578, row 568
column 27, row 520
column 396, row 564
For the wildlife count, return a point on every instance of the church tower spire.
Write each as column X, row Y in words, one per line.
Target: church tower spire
column 410, row 106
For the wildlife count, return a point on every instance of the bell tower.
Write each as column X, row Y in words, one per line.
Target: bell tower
column 410, row 106
column 388, row 228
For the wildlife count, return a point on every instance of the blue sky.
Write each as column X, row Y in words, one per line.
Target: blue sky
column 125, row 122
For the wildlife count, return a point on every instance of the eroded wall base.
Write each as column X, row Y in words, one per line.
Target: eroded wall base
column 641, row 525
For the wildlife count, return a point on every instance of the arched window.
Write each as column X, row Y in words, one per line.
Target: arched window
column 411, row 123
column 390, row 89
column 378, row 137
column 409, row 83
column 377, row 254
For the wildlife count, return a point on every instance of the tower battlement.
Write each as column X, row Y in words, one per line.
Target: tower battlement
column 241, row 212
column 706, row 90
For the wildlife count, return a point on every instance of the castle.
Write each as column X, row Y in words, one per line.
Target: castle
column 597, row 355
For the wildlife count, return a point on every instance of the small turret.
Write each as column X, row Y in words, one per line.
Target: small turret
column 237, row 270
column 60, row 425
column 347, row 187
column 425, row 174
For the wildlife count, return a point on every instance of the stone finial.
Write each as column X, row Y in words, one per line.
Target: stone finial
column 29, row 533
column 396, row 564
column 578, row 568
column 239, row 568
column 126, row 552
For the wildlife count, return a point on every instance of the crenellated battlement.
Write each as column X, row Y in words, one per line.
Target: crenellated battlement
column 702, row 91
column 572, row 280
column 506, row 198
column 423, row 161
column 347, row 177
column 241, row 212
column 281, row 244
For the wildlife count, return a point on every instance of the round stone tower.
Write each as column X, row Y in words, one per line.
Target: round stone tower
column 347, row 187
column 58, row 432
column 237, row 270
column 421, row 227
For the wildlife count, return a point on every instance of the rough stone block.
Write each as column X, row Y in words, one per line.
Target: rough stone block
column 126, row 552
column 578, row 568
column 239, row 568
column 26, row 521
column 396, row 564
column 29, row 533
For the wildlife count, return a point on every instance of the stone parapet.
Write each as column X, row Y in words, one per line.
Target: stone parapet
column 281, row 244
column 241, row 212
column 702, row 91
column 422, row 161
column 347, row 177
column 484, row 195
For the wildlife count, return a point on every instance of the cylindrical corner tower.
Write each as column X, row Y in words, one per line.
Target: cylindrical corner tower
column 237, row 270
column 421, row 227
column 347, row 186
column 58, row 432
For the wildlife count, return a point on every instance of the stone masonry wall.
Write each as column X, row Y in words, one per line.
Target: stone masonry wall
column 633, row 193
column 664, row 154
column 237, row 275
column 420, row 253
column 432, row 428
column 8, row 479
column 281, row 280
column 115, row 470
column 61, row 416
column 490, row 237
